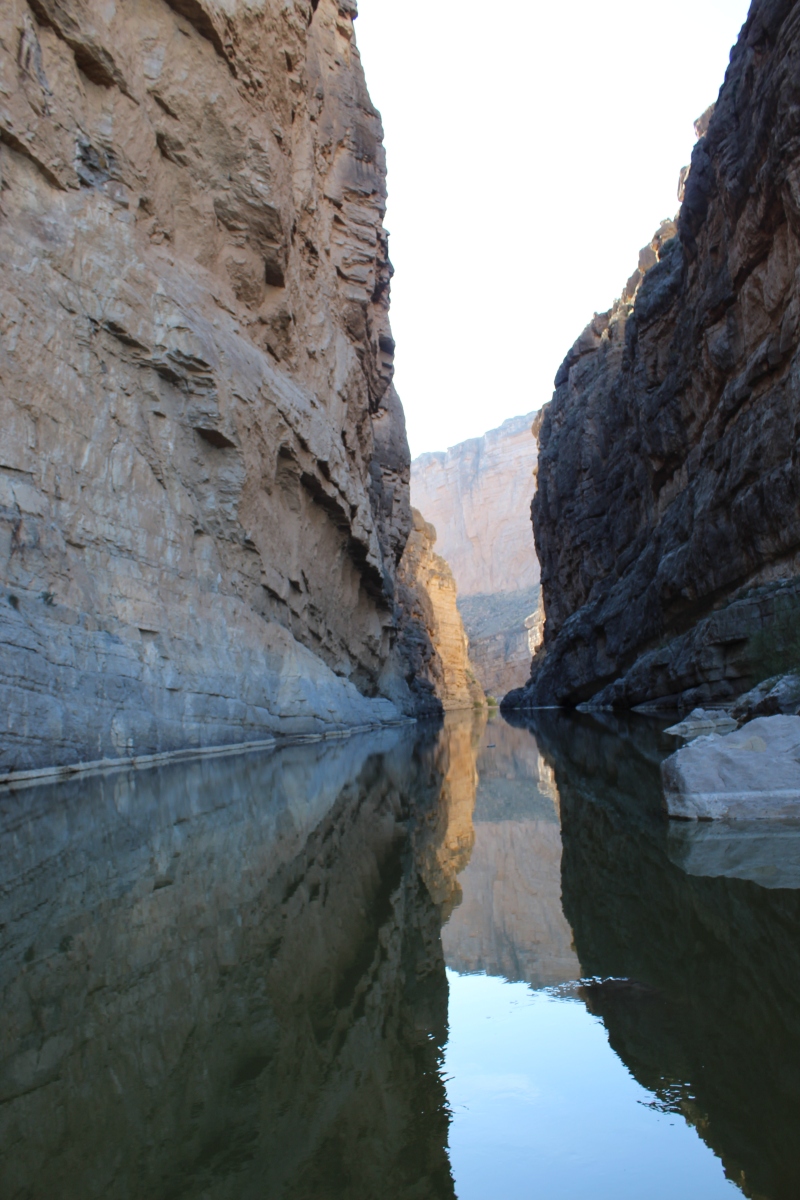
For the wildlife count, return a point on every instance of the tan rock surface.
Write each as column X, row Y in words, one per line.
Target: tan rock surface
column 435, row 646
column 510, row 921
column 477, row 494
column 203, row 466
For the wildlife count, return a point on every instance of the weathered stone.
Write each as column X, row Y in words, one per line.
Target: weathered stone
column 668, row 468
column 476, row 495
column 203, row 467
column 753, row 773
column 700, row 722
column 434, row 649
column 780, row 694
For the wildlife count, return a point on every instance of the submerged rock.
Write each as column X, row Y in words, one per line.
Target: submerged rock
column 752, row 773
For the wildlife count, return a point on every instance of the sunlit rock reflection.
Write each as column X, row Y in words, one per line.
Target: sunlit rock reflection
column 510, row 921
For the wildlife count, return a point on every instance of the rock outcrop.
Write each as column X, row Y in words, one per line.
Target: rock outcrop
column 433, row 645
column 750, row 774
column 667, row 516
column 203, row 465
column 476, row 495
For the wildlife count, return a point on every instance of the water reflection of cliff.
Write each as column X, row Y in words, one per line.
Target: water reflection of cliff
column 224, row 980
column 704, row 1007
column 510, row 921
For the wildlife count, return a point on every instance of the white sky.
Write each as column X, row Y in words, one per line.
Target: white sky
column 533, row 149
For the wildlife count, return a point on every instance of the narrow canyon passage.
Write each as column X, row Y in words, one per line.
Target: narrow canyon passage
column 463, row 960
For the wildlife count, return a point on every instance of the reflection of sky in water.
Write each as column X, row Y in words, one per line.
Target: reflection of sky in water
column 542, row 1106
column 544, row 1110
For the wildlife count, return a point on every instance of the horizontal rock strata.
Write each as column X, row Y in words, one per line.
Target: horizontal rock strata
column 203, row 467
column 667, row 516
column 476, row 495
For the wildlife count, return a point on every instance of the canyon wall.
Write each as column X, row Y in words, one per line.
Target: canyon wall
column 476, row 494
column 667, row 516
column 433, row 649
column 203, row 466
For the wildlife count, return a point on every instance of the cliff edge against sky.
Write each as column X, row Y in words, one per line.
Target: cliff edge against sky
column 667, row 516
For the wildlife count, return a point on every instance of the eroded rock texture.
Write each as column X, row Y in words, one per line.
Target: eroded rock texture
column 434, row 650
column 476, row 495
column 203, row 464
column 668, row 488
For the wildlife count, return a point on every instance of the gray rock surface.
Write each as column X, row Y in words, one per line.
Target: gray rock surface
column 203, row 465
column 753, row 773
column 763, row 851
column 699, row 722
column 669, row 482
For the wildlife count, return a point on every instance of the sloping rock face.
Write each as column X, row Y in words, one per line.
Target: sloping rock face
column 667, row 505
column 434, row 651
column 476, row 494
column 203, row 469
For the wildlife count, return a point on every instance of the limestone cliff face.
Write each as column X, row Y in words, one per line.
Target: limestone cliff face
column 667, row 516
column 476, row 495
column 203, row 466
column 434, row 646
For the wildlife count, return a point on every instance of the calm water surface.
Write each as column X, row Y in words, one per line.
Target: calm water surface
column 471, row 961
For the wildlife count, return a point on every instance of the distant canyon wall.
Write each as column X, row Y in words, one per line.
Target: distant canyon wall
column 667, row 516
column 203, row 468
column 476, row 494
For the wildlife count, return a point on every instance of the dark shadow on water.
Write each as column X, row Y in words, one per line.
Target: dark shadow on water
column 226, row 980
column 698, row 979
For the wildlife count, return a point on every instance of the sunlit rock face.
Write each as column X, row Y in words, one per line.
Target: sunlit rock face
column 433, row 646
column 510, row 921
column 477, row 495
column 696, row 979
column 223, row 980
column 667, row 504
column 203, row 469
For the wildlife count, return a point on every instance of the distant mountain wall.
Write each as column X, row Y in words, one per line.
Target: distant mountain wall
column 477, row 494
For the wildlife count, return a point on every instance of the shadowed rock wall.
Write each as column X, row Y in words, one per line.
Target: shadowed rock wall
column 203, row 468
column 668, row 502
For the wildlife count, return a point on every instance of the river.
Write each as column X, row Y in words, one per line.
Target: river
column 470, row 960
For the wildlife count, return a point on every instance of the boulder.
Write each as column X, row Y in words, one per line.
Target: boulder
column 701, row 721
column 753, row 773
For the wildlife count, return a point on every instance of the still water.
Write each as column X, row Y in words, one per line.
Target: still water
column 466, row 961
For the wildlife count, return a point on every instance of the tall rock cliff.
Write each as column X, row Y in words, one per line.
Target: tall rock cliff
column 203, row 464
column 667, row 516
column 433, row 648
column 476, row 495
